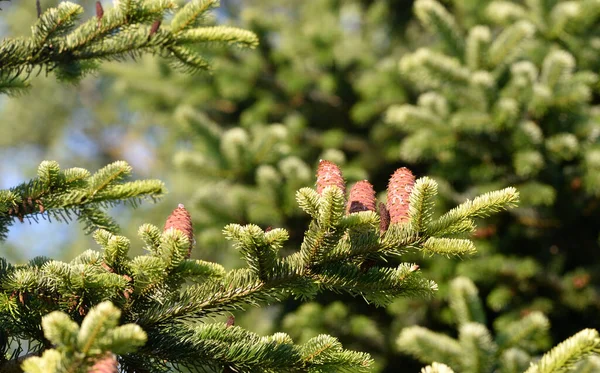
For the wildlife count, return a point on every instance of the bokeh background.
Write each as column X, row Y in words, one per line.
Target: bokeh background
column 476, row 94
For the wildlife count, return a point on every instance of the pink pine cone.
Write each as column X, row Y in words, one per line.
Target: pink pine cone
column 398, row 199
column 107, row 364
column 362, row 197
column 181, row 220
column 329, row 174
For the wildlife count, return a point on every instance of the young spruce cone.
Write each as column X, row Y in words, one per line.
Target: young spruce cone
column 181, row 220
column 362, row 197
column 328, row 174
column 398, row 198
column 107, row 364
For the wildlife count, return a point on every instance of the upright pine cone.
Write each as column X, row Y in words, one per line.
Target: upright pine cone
column 107, row 364
column 181, row 220
column 328, row 174
column 398, row 199
column 362, row 197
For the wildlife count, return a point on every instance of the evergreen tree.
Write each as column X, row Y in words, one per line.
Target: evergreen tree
column 506, row 96
column 326, row 94
column 151, row 290
column 166, row 297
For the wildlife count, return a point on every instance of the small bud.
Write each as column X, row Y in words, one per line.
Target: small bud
column 230, row 321
column 414, row 267
column 38, row 8
column 362, row 197
column 398, row 199
column 99, row 12
column 154, row 28
column 181, row 220
column 329, row 174
column 384, row 218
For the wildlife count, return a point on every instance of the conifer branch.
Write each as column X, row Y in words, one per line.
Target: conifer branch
column 465, row 303
column 532, row 327
column 79, row 348
column 63, row 195
column 478, row 346
column 478, row 207
column 421, row 203
column 433, row 14
column 132, row 28
column 167, row 294
column 430, row 347
column 563, row 357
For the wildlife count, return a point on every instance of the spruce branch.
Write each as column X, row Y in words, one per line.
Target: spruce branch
column 532, row 327
column 431, row 69
column 170, row 296
column 476, row 47
column 430, row 347
column 408, row 117
column 421, row 203
column 436, row 17
column 563, row 357
column 479, row 207
column 480, row 350
column 74, row 193
column 132, row 28
column 514, row 360
column 507, row 45
column 220, row 344
column 465, row 303
column 191, row 13
column 505, row 12
column 448, row 246
column 82, row 348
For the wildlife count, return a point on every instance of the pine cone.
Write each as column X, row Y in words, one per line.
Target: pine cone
column 181, row 220
column 107, row 364
column 230, row 321
column 398, row 199
column 384, row 218
column 362, row 197
column 328, row 174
